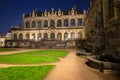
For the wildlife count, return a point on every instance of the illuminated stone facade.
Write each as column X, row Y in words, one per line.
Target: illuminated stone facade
column 112, row 24
column 50, row 26
column 102, row 27
column 2, row 42
column 94, row 27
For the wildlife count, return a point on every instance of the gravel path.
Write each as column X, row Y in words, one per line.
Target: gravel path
column 72, row 68
column 17, row 51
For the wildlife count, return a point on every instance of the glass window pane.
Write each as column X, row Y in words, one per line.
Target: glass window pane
column 39, row 36
column 52, row 23
column 66, row 36
column 39, row 24
column 59, row 23
column 27, row 36
column 72, row 22
column 59, row 36
column 33, row 37
column 20, row 36
column 45, row 23
column 65, row 22
column 79, row 22
column 52, row 36
column 46, row 36
column 27, row 24
column 79, row 35
column 33, row 24
column 15, row 37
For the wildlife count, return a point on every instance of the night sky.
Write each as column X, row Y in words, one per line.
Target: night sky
column 11, row 11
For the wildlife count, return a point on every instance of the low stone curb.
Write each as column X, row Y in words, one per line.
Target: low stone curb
column 83, row 53
column 101, row 65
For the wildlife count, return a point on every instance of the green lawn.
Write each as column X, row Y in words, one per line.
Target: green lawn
column 6, row 49
column 39, row 56
column 25, row 73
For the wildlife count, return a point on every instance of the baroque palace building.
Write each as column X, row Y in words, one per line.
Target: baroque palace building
column 49, row 29
column 102, row 27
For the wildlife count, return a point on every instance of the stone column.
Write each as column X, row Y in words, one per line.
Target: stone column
column 62, row 36
column 36, row 24
column 49, row 35
column 41, row 23
column 55, row 34
column 36, row 34
column 24, row 35
column 49, row 22
column 55, row 23
column 69, row 22
column 30, row 24
column 76, row 22
column 62, row 22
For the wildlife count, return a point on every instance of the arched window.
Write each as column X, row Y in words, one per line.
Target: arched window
column 59, row 36
column 27, row 36
column 27, row 24
column 80, row 35
column 66, row 22
column 45, row 36
column 65, row 36
column 72, row 36
column 52, row 23
column 33, row 36
column 39, row 36
column 33, row 24
column 59, row 23
column 52, row 36
column 45, row 23
column 20, row 36
column 79, row 22
column 72, row 22
column 39, row 24
column 15, row 37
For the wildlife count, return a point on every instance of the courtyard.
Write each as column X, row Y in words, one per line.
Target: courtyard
column 57, row 66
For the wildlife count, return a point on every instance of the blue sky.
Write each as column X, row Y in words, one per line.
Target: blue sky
column 11, row 10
